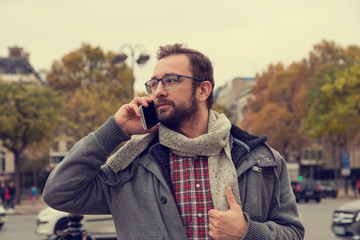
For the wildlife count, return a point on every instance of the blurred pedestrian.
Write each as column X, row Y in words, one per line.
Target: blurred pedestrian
column 7, row 197
column 12, row 191
column 2, row 193
column 358, row 185
column 33, row 194
column 353, row 185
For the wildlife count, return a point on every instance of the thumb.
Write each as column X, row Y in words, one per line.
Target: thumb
column 230, row 197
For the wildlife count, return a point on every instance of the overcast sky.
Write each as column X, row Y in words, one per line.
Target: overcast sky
column 240, row 37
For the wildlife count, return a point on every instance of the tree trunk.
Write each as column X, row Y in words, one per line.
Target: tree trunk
column 35, row 179
column 17, row 179
column 334, row 160
column 343, row 148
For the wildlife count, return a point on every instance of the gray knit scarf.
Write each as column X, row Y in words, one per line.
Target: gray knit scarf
column 215, row 145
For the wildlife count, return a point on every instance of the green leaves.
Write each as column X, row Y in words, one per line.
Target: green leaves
column 27, row 114
column 335, row 93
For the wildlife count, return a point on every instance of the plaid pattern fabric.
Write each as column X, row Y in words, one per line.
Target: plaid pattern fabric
column 190, row 178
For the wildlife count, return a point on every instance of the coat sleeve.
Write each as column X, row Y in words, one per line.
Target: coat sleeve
column 283, row 221
column 76, row 185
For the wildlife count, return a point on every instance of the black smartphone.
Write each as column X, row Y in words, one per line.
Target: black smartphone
column 148, row 116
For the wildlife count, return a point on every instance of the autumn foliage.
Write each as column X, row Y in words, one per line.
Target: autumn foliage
column 91, row 87
column 316, row 97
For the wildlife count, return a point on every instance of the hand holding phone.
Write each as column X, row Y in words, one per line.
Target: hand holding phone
column 148, row 116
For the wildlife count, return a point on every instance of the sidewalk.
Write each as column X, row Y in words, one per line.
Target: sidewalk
column 27, row 208
column 350, row 194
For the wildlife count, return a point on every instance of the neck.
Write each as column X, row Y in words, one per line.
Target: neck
column 197, row 125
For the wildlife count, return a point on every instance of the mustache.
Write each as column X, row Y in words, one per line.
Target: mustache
column 163, row 101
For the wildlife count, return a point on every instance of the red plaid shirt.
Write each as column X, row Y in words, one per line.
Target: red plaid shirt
column 190, row 178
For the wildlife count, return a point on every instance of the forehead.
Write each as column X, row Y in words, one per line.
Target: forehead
column 177, row 64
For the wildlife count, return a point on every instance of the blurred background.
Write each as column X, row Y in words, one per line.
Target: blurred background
column 286, row 69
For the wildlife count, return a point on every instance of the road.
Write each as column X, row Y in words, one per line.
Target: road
column 19, row 227
column 316, row 218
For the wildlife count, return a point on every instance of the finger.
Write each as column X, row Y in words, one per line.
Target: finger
column 153, row 129
column 145, row 101
column 141, row 101
column 230, row 198
column 212, row 213
column 135, row 108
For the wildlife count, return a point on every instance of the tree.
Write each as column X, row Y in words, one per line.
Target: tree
column 92, row 88
column 278, row 106
column 87, row 66
column 28, row 115
column 334, row 100
column 222, row 109
column 88, row 108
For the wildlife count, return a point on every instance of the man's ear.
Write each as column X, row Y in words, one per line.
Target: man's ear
column 205, row 90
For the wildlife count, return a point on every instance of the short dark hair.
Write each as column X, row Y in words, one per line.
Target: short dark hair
column 201, row 66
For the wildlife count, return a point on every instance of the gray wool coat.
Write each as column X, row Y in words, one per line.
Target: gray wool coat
column 141, row 199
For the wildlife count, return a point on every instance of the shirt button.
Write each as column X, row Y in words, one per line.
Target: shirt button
column 199, row 215
column 163, row 200
column 197, row 185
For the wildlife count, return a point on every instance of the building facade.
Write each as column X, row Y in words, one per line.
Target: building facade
column 15, row 68
column 315, row 160
column 235, row 94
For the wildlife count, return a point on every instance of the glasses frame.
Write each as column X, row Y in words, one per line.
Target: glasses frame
column 161, row 80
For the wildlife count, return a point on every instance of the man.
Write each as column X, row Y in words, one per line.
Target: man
column 11, row 196
column 193, row 176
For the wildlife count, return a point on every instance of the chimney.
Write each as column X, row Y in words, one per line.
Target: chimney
column 18, row 52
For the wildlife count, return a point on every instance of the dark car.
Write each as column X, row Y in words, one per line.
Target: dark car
column 329, row 189
column 306, row 190
column 346, row 220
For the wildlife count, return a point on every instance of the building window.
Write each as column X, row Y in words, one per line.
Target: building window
column 320, row 153
column 56, row 146
column 306, row 154
column 2, row 162
column 69, row 145
column 56, row 159
column 19, row 70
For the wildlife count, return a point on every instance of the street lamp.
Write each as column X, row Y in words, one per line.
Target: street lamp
column 141, row 60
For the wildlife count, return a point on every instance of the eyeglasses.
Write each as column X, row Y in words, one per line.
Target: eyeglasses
column 170, row 81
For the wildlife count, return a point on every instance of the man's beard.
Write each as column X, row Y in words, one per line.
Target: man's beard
column 180, row 114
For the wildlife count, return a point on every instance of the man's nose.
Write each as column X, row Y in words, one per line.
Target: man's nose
column 160, row 90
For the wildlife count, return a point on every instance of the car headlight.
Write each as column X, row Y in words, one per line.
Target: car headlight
column 357, row 218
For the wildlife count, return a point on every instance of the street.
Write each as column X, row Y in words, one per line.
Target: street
column 316, row 218
column 20, row 227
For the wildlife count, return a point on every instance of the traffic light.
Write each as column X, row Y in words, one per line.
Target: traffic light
column 300, row 178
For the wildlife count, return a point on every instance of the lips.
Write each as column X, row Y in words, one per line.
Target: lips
column 161, row 104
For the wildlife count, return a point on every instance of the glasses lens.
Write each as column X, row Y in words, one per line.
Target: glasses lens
column 151, row 85
column 170, row 82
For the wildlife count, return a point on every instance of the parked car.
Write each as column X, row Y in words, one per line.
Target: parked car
column 50, row 221
column 329, row 189
column 2, row 215
column 306, row 190
column 346, row 220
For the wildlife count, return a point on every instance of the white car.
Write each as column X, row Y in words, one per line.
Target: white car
column 2, row 216
column 50, row 221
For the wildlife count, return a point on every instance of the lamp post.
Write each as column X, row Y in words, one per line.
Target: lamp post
column 141, row 60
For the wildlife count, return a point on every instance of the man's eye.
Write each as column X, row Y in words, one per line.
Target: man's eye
column 153, row 83
column 170, row 80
